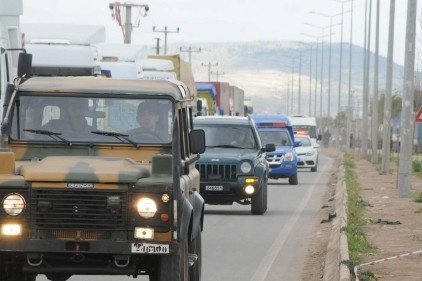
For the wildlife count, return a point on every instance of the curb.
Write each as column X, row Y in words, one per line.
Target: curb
column 337, row 248
column 344, row 245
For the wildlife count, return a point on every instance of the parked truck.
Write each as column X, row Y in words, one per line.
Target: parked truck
column 64, row 49
column 206, row 91
column 236, row 101
column 10, row 38
column 92, row 197
column 182, row 69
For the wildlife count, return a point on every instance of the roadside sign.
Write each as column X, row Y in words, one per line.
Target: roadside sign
column 419, row 115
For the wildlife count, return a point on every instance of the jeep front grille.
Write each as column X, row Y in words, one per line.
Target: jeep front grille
column 217, row 171
column 78, row 209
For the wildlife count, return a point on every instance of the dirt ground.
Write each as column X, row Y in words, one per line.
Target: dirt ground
column 394, row 224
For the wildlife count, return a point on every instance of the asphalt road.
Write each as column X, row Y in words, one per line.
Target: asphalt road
column 272, row 247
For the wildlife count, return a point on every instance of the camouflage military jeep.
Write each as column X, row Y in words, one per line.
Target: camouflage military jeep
column 98, row 199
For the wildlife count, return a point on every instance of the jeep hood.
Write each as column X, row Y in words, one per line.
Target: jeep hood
column 83, row 169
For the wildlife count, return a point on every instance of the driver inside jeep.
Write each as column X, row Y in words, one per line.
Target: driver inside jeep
column 148, row 118
column 72, row 122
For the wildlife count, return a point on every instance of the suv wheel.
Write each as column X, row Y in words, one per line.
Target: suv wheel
column 259, row 202
column 293, row 179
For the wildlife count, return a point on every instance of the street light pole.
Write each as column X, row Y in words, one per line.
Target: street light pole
column 322, row 28
column 316, row 72
column 349, row 96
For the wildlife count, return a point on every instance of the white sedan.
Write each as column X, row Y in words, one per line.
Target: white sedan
column 307, row 153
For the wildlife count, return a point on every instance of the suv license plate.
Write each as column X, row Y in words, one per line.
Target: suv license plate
column 214, row 188
column 148, row 248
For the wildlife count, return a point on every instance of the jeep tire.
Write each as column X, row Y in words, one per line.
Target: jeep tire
column 173, row 267
column 259, row 201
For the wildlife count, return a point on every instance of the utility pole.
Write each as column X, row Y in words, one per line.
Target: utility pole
column 408, row 116
column 190, row 50
column 209, row 65
column 365, row 97
column 165, row 31
column 386, row 136
column 157, row 49
column 217, row 74
column 374, row 131
column 349, row 96
column 126, row 16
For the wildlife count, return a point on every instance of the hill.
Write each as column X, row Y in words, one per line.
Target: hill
column 264, row 69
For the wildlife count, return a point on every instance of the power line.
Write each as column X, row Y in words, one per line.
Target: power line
column 209, row 65
column 190, row 50
column 165, row 31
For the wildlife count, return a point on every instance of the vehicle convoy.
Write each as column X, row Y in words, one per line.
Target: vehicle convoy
column 276, row 129
column 307, row 153
column 234, row 166
column 102, row 196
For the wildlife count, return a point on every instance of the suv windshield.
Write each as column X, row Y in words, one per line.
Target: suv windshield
column 275, row 137
column 228, row 136
column 92, row 119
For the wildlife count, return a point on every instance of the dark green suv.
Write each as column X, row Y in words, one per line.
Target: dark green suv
column 234, row 166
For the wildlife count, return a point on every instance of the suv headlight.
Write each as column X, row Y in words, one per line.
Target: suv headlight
column 13, row 204
column 245, row 167
column 146, row 208
column 288, row 156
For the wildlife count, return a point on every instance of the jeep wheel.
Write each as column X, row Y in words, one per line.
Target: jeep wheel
column 314, row 169
column 174, row 266
column 196, row 248
column 258, row 202
column 293, row 179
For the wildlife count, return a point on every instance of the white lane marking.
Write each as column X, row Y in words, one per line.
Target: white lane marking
column 272, row 253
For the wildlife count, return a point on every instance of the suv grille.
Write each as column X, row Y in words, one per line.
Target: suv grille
column 217, row 172
column 78, row 209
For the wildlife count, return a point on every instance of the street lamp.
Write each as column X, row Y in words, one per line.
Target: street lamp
column 322, row 28
column 329, row 57
column 316, row 72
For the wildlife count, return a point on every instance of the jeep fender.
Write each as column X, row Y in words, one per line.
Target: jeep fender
column 198, row 214
column 261, row 172
column 185, row 219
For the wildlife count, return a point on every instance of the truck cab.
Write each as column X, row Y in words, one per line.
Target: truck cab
column 278, row 130
column 99, row 198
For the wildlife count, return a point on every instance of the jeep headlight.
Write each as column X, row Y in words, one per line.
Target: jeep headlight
column 288, row 156
column 245, row 167
column 146, row 207
column 13, row 204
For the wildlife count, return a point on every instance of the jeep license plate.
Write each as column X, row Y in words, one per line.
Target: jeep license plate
column 214, row 188
column 148, row 248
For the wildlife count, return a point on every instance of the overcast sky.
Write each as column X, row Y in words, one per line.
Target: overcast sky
column 230, row 20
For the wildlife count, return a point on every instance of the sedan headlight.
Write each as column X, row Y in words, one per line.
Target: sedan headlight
column 146, row 208
column 13, row 204
column 245, row 167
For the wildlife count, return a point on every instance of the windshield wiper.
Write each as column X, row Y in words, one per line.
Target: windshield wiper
column 121, row 137
column 226, row 146
column 53, row 135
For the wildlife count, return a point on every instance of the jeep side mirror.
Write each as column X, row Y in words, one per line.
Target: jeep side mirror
column 197, row 141
column 24, row 65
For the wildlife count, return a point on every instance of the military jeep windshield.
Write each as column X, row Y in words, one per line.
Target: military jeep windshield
column 67, row 118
